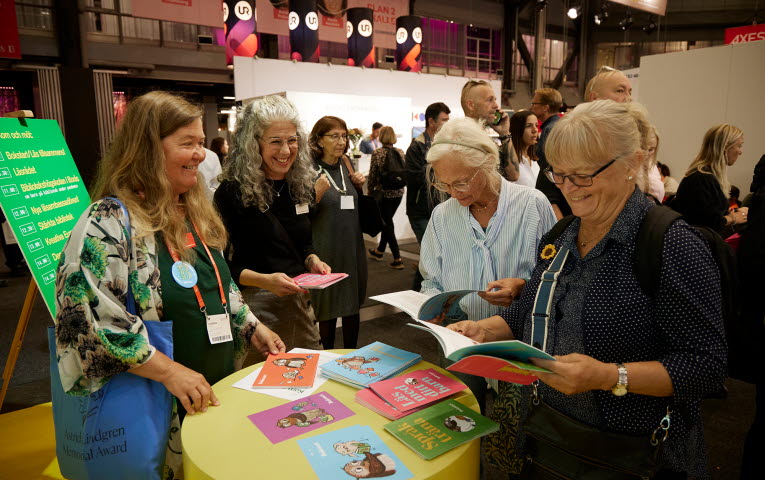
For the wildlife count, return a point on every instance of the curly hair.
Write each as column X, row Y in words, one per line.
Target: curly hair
column 133, row 170
column 244, row 164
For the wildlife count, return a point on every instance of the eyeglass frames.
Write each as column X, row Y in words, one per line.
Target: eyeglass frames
column 336, row 136
column 461, row 187
column 277, row 143
column 578, row 179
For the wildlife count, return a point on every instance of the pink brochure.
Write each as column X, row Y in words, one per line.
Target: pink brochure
column 300, row 416
column 415, row 389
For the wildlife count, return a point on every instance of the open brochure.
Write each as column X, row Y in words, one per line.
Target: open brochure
column 507, row 360
column 422, row 307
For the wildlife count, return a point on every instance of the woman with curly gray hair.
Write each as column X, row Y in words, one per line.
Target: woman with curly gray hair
column 266, row 189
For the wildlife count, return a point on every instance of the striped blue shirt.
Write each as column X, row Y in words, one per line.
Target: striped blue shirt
column 457, row 254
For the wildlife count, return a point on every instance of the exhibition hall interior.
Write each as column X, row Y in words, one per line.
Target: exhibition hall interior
column 518, row 239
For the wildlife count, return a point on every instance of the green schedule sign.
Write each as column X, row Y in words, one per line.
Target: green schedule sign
column 41, row 193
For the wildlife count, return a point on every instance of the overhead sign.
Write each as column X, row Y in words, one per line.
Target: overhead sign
column 196, row 12
column 658, row 7
column 41, row 194
column 9, row 31
column 750, row 33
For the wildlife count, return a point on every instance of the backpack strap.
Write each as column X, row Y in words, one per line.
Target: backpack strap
column 557, row 229
column 649, row 247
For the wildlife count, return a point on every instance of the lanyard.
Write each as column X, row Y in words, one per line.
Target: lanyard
column 198, row 294
column 332, row 180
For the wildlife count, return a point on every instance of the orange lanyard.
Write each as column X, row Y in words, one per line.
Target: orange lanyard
column 198, row 294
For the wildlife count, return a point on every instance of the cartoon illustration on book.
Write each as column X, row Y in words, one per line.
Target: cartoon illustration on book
column 459, row 423
column 298, row 363
column 375, row 465
column 352, row 447
column 357, row 364
column 287, row 370
column 411, row 381
column 291, row 377
column 306, row 418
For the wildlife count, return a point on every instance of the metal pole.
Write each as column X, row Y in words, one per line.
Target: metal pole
column 540, row 57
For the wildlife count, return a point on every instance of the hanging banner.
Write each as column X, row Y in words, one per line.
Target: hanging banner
column 749, row 33
column 272, row 18
column 303, row 22
column 196, row 12
column 409, row 43
column 240, row 29
column 9, row 30
column 360, row 33
column 42, row 195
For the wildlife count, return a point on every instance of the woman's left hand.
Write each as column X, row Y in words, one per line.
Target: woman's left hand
column 315, row 265
column 266, row 341
column 576, row 373
column 358, row 179
column 508, row 289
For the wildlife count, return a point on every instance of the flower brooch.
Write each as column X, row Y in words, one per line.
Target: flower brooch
column 548, row 252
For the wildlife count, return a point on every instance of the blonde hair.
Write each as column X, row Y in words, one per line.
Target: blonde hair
column 244, row 163
column 467, row 88
column 387, row 136
column 133, row 170
column 712, row 158
column 467, row 140
column 550, row 97
column 597, row 132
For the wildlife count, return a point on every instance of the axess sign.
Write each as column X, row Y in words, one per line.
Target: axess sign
column 750, row 33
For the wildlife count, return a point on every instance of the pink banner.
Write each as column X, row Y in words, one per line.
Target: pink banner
column 9, row 31
column 750, row 33
column 196, row 12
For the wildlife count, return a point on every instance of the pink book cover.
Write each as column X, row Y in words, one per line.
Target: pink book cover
column 491, row 367
column 300, row 416
column 286, row 370
column 317, row 281
column 415, row 389
column 372, row 401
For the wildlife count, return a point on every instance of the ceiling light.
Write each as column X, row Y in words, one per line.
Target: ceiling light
column 598, row 19
column 651, row 26
column 573, row 12
column 626, row 22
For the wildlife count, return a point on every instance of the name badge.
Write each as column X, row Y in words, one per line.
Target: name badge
column 301, row 209
column 219, row 328
column 184, row 274
column 346, row 202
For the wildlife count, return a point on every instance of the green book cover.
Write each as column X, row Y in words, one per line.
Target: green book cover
column 437, row 429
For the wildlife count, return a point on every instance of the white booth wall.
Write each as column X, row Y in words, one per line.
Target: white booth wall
column 361, row 96
column 686, row 93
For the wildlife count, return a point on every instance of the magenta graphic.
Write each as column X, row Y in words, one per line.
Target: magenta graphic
column 240, row 29
column 409, row 43
column 360, row 32
column 303, row 22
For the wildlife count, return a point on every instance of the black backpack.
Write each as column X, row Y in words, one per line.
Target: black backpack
column 648, row 250
column 394, row 173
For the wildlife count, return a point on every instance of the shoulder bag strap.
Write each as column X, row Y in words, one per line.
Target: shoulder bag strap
column 348, row 165
column 540, row 316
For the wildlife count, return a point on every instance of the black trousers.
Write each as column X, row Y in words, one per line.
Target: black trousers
column 388, row 207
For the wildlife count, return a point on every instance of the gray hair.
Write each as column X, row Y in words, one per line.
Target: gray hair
column 596, row 132
column 244, row 163
column 467, row 140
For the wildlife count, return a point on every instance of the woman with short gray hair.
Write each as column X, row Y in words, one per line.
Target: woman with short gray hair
column 264, row 198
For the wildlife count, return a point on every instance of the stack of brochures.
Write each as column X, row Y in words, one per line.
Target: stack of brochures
column 405, row 394
column 375, row 362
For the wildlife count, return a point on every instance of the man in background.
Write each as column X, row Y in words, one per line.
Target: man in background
column 608, row 84
column 546, row 106
column 369, row 145
column 420, row 200
column 479, row 103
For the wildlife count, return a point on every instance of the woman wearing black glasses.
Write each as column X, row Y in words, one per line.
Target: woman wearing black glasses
column 337, row 232
column 632, row 364
column 264, row 201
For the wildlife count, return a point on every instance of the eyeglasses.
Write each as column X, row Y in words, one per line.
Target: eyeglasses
column 462, row 187
column 580, row 180
column 277, row 143
column 336, row 136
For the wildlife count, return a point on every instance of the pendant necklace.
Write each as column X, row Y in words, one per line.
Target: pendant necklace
column 599, row 234
column 481, row 209
column 278, row 193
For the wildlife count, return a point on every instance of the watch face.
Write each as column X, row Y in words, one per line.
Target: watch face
column 619, row 390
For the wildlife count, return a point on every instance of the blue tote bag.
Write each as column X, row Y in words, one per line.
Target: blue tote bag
column 120, row 431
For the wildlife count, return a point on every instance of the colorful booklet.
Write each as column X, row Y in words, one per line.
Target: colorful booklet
column 376, row 361
column 357, row 451
column 422, row 307
column 506, row 360
column 296, row 418
column 416, row 389
column 372, row 401
column 440, row 428
column 316, row 281
column 287, row 370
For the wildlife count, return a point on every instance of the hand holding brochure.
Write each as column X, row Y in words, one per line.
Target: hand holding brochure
column 315, row 281
column 422, row 307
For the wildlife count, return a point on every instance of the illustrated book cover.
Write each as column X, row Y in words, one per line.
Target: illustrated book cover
column 422, row 307
column 317, row 281
column 300, row 416
column 372, row 401
column 439, row 428
column 288, row 370
column 352, row 452
column 416, row 389
column 376, row 361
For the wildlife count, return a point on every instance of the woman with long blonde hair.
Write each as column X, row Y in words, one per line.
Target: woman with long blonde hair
column 702, row 196
column 164, row 250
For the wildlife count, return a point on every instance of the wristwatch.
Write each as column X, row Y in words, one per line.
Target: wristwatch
column 620, row 389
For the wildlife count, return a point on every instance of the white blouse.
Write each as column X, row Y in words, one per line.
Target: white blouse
column 528, row 173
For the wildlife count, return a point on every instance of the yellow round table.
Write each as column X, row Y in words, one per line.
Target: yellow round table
column 224, row 444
